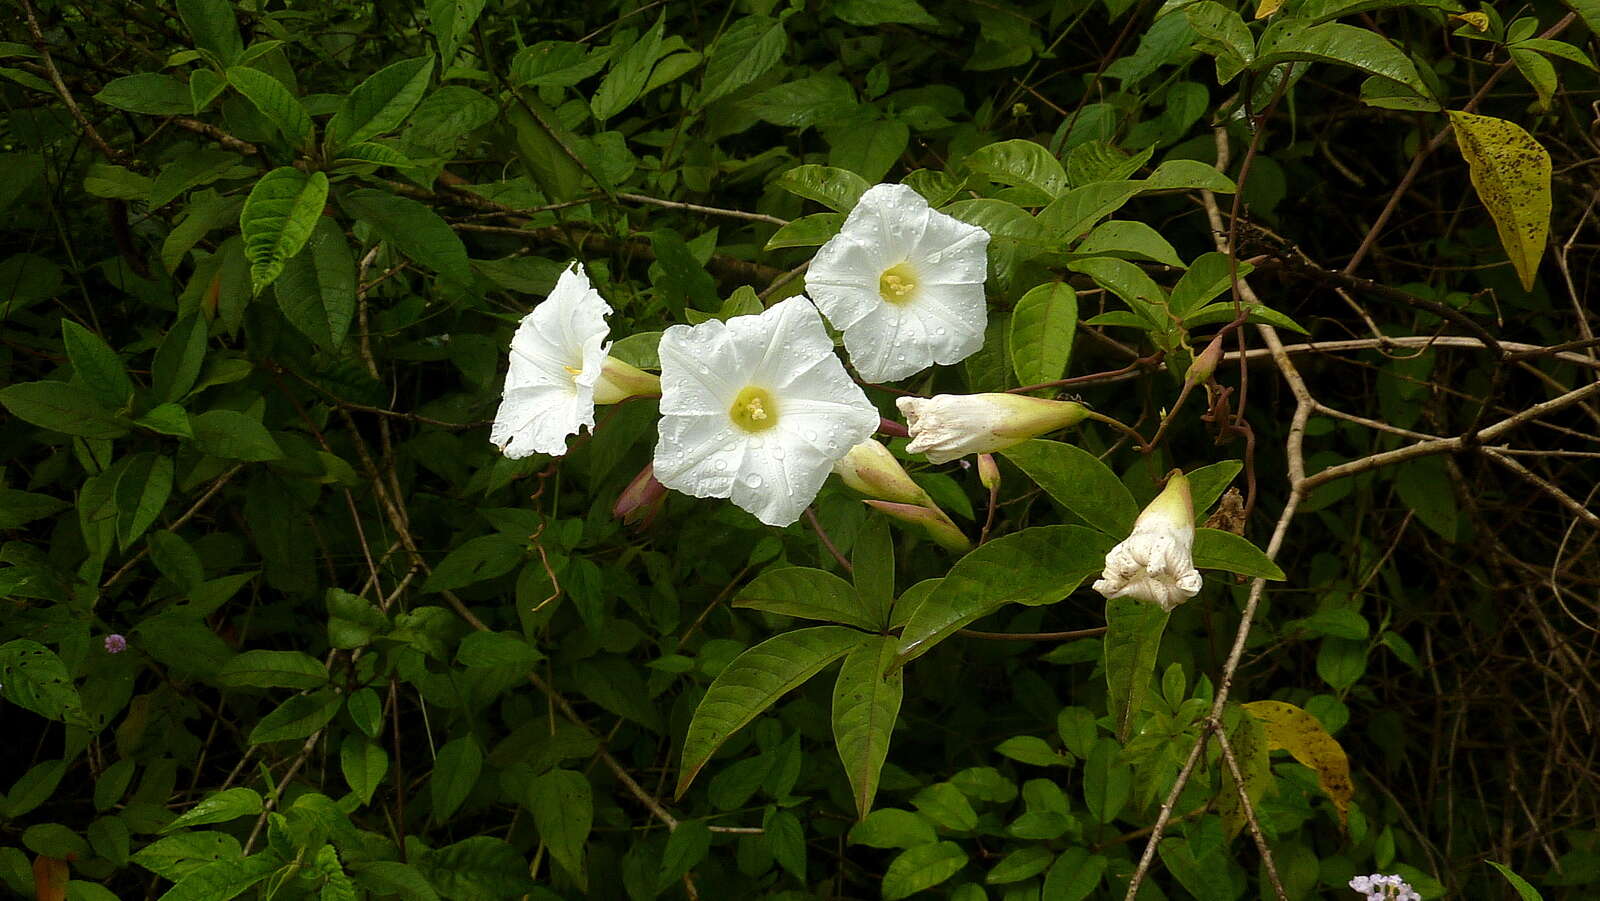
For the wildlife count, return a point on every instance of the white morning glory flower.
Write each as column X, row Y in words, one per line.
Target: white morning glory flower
column 946, row 427
column 557, row 355
column 757, row 409
column 904, row 283
column 1155, row 564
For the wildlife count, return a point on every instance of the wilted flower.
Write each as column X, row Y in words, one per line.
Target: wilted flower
column 1155, row 563
column 1379, row 887
column 948, row 426
column 904, row 283
column 115, row 643
column 557, row 354
column 757, row 409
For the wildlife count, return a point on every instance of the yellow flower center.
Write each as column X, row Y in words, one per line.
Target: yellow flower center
column 897, row 284
column 572, row 371
column 754, row 410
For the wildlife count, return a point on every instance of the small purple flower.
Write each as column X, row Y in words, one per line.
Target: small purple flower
column 116, row 644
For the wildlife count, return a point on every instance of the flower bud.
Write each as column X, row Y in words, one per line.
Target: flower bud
column 1155, row 564
column 949, row 426
column 640, row 501
column 620, row 381
column 870, row 469
column 116, row 644
column 988, row 472
column 1205, row 365
column 938, row 525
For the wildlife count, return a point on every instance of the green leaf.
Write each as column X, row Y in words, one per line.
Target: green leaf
column 61, row 407
column 619, row 687
column 1216, row 549
column 1133, row 636
column 178, row 855
column 1075, row 212
column 563, row 810
column 229, row 804
column 1021, row 163
column 1198, row 862
column 556, row 64
column 1023, row 863
column 752, row 682
column 364, row 764
column 33, row 788
column 1079, row 481
column 142, row 492
column 297, row 718
column 1525, row 891
column 381, row 103
column 1337, row 44
column 873, row 575
column 1035, row 566
column 20, row 507
column 278, row 218
column 804, row 102
column 1208, row 483
column 1223, row 35
column 1209, row 275
column 871, row 150
column 678, row 276
column 96, row 365
column 34, row 678
column 892, row 828
column 496, row 649
column 455, row 772
column 452, row 21
column 234, row 436
column 866, row 702
column 475, row 560
column 836, row 189
column 1042, row 328
column 317, row 289
column 415, row 230
column 1511, row 173
column 352, row 620
column 867, row 13
column 629, row 72
column 540, row 142
column 190, row 170
column 148, row 93
column 273, row 669
column 1032, row 750
column 1129, row 239
column 921, row 868
column 179, row 359
column 807, row 231
column 785, row 840
column 211, row 24
column 1074, row 875
column 373, row 153
column 224, row 879
column 743, row 53
column 807, row 593
column 274, row 101
column 1187, row 175
column 686, row 847
column 1107, row 782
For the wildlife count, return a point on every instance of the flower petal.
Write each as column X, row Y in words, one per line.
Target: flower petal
column 557, row 354
column 772, row 473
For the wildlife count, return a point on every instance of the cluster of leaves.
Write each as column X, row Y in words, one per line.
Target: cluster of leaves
column 262, row 263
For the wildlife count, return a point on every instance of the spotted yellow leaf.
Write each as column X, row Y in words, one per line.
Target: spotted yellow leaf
column 1268, row 7
column 1291, row 729
column 1479, row 21
column 1511, row 173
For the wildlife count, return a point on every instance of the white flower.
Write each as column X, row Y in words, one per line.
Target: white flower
column 557, row 355
column 904, row 283
column 757, row 409
column 949, row 426
column 1155, row 564
column 1379, row 887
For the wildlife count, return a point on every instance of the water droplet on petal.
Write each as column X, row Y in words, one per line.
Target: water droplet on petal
column 753, row 480
column 721, row 465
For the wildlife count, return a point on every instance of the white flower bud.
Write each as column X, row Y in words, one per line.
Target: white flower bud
column 949, row 426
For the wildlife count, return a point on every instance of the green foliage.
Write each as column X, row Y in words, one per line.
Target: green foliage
column 282, row 623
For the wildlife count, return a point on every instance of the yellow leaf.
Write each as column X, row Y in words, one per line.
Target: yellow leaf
column 1291, row 729
column 1479, row 21
column 1267, row 8
column 1511, row 173
column 50, row 877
